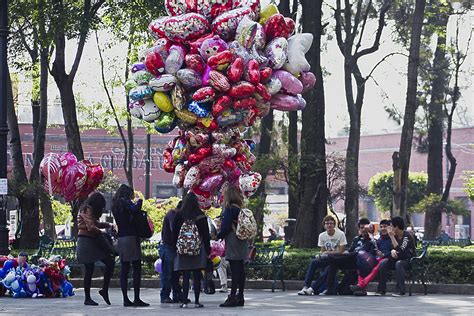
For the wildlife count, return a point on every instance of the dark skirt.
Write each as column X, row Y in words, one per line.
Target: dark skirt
column 129, row 248
column 189, row 263
column 89, row 250
column 235, row 249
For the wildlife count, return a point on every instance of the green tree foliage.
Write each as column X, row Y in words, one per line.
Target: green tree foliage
column 469, row 186
column 432, row 203
column 158, row 209
column 381, row 188
column 110, row 183
column 61, row 211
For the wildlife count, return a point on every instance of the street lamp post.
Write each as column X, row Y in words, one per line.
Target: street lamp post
column 3, row 127
column 147, row 166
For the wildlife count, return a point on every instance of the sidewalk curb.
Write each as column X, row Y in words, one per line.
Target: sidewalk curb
column 294, row 285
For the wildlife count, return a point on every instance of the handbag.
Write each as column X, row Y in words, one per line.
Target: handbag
column 143, row 224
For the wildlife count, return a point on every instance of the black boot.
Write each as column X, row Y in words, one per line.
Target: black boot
column 231, row 301
column 240, row 299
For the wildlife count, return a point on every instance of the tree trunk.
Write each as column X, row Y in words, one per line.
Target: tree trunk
column 351, row 201
column 24, row 190
column 29, row 237
column 395, row 209
column 263, row 153
column 71, row 126
column 43, row 115
column 293, row 154
column 313, row 182
column 48, row 216
column 411, row 103
column 128, row 163
column 435, row 126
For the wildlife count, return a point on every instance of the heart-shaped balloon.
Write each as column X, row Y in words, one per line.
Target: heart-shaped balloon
column 308, row 79
column 211, row 183
column 185, row 27
column 249, row 183
column 50, row 169
column 192, row 177
column 73, row 180
column 95, row 174
column 277, row 26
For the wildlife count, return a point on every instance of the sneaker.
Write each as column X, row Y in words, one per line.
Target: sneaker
column 223, row 289
column 183, row 305
column 398, row 294
column 379, row 293
column 361, row 292
column 198, row 305
column 327, row 293
column 306, row 291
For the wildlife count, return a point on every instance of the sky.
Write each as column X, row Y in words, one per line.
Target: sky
column 388, row 87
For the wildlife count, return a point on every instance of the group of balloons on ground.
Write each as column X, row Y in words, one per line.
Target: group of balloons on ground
column 47, row 279
column 216, row 66
column 64, row 175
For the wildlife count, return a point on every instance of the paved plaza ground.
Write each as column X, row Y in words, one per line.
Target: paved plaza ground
column 258, row 302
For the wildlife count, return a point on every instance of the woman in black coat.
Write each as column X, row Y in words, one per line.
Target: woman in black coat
column 128, row 242
column 191, row 213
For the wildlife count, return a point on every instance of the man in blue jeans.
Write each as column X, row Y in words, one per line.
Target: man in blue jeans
column 332, row 241
column 169, row 278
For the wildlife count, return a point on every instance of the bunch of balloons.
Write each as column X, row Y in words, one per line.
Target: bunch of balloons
column 48, row 279
column 216, row 66
column 66, row 176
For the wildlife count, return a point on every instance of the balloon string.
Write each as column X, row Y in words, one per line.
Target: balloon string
column 49, row 176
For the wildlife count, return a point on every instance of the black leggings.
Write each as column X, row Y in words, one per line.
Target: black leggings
column 137, row 276
column 238, row 276
column 89, row 271
column 196, row 285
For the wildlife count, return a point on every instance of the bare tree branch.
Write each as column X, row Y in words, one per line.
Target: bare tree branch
column 381, row 24
column 381, row 61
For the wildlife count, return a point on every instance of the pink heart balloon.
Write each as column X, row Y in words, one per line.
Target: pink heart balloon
column 73, row 180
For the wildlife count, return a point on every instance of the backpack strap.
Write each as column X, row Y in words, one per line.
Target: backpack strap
column 199, row 217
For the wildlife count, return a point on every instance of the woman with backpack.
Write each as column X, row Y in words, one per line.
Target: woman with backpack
column 192, row 240
column 90, row 248
column 128, row 242
column 236, row 250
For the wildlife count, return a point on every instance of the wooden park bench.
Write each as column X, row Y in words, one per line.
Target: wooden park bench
column 269, row 256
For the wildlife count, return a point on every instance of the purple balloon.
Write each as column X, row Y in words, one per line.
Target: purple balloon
column 137, row 67
column 308, row 79
column 285, row 102
column 289, row 83
column 159, row 266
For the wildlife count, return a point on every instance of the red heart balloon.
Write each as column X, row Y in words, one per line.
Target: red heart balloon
column 276, row 26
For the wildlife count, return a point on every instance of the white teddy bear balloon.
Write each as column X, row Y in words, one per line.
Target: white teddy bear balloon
column 298, row 46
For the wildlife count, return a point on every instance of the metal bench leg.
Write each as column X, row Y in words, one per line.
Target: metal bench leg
column 274, row 278
column 281, row 279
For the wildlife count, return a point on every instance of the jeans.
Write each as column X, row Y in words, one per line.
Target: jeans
column 315, row 264
column 169, row 277
column 392, row 264
column 222, row 271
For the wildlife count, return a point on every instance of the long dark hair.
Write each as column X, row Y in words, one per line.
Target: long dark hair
column 190, row 208
column 123, row 192
column 96, row 202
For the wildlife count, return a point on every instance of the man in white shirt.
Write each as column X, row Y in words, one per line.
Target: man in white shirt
column 331, row 241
